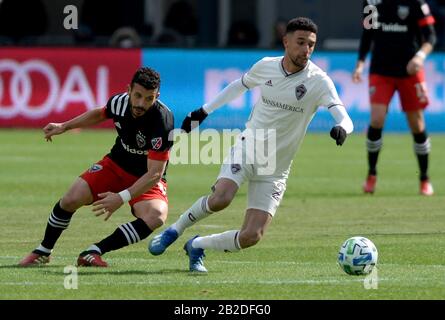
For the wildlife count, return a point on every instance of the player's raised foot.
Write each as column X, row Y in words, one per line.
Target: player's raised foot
column 369, row 185
column 91, row 259
column 196, row 257
column 161, row 242
column 426, row 188
column 35, row 258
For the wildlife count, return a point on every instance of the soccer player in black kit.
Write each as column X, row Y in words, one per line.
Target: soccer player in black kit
column 134, row 171
column 400, row 37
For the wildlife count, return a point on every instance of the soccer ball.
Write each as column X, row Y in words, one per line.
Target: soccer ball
column 357, row 256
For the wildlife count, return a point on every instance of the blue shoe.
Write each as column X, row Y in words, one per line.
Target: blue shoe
column 196, row 256
column 161, row 242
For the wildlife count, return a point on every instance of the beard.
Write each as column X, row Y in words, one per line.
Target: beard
column 138, row 111
column 299, row 62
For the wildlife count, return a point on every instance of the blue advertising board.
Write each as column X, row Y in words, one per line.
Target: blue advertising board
column 192, row 77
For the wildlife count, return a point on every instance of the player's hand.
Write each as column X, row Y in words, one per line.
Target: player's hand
column 357, row 73
column 109, row 203
column 52, row 129
column 338, row 134
column 414, row 65
column 193, row 119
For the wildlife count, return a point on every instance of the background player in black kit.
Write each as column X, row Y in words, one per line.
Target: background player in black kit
column 134, row 171
column 401, row 38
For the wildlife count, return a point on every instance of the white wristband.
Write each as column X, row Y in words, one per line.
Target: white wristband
column 421, row 54
column 125, row 195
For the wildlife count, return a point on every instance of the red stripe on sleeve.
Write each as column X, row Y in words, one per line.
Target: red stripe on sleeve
column 426, row 21
column 158, row 155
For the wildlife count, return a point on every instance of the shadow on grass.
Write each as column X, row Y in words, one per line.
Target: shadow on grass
column 92, row 271
column 107, row 271
column 44, row 267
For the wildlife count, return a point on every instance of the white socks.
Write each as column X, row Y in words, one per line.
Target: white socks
column 226, row 241
column 199, row 210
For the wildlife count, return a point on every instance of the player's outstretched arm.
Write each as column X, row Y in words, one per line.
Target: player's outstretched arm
column 231, row 92
column 343, row 126
column 52, row 129
column 193, row 119
column 86, row 119
column 111, row 201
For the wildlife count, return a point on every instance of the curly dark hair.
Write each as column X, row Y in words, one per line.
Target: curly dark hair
column 147, row 77
column 301, row 23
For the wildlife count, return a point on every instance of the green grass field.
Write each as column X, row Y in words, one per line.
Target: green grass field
column 322, row 207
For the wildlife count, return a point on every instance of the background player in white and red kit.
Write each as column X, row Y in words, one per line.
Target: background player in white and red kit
column 401, row 36
column 292, row 89
column 134, row 171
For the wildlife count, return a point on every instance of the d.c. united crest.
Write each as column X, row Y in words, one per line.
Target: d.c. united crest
column 140, row 140
column 403, row 12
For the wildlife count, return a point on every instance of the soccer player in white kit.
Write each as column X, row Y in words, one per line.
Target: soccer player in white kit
column 292, row 89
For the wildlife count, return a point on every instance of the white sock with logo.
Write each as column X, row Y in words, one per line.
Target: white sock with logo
column 199, row 210
column 226, row 241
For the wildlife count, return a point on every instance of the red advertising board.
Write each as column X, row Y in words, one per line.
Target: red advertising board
column 41, row 85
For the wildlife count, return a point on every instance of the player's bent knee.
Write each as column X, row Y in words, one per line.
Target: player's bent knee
column 154, row 219
column 249, row 238
column 70, row 203
column 220, row 200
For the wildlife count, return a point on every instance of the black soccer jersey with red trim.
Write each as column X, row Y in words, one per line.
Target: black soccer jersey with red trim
column 396, row 35
column 139, row 138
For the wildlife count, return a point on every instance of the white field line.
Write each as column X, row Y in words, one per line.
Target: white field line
column 191, row 282
column 278, row 262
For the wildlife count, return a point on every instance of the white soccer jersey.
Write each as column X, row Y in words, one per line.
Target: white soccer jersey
column 287, row 104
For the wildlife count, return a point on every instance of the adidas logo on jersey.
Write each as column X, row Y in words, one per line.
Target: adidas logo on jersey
column 269, row 83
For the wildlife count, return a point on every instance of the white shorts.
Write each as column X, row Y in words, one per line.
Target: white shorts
column 264, row 191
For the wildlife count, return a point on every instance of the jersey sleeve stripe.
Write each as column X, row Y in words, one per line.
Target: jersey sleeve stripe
column 158, row 155
column 242, row 81
column 164, row 105
column 334, row 104
column 113, row 106
column 125, row 105
column 119, row 104
column 429, row 20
